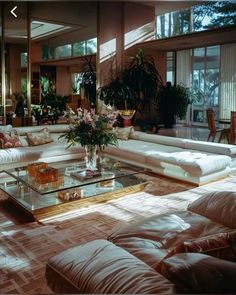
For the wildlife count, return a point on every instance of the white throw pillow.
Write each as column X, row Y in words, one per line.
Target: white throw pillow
column 124, row 133
column 39, row 138
column 218, row 206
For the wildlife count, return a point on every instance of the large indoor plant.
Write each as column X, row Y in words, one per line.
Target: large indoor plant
column 173, row 102
column 142, row 76
column 118, row 94
column 92, row 131
column 88, row 81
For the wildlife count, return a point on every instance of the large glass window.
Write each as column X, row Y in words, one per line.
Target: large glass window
column 205, row 80
column 209, row 15
column 91, row 46
column 79, row 48
column 170, row 67
column 173, row 23
column 63, row 51
column 76, row 82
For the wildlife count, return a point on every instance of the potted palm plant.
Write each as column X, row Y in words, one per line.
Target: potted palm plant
column 144, row 79
column 121, row 96
column 118, row 94
column 88, row 81
column 173, row 102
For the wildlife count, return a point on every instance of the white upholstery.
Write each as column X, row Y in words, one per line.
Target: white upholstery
column 196, row 163
column 165, row 140
column 188, row 160
column 50, row 152
column 29, row 153
column 186, row 164
column 60, row 128
column 211, row 147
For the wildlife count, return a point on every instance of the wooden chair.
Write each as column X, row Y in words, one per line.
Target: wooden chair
column 224, row 133
column 232, row 131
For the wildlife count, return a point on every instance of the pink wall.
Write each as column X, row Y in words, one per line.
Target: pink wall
column 63, row 80
column 138, row 23
column 110, row 39
column 160, row 62
column 36, row 52
column 120, row 25
column 14, row 73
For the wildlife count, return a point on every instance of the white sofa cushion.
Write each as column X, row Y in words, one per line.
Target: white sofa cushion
column 58, row 128
column 193, row 162
column 27, row 154
column 136, row 150
column 211, row 147
column 165, row 140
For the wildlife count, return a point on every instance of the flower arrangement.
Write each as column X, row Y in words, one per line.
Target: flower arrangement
column 91, row 129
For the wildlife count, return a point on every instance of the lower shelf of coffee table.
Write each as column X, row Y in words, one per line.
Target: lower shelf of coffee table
column 65, row 208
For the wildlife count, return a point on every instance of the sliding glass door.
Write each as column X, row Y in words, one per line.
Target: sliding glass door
column 205, row 82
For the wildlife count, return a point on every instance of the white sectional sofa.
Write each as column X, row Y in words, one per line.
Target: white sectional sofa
column 192, row 161
column 50, row 152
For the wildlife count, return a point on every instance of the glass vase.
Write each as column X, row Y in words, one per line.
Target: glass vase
column 91, row 157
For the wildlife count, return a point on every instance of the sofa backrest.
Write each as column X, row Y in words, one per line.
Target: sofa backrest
column 209, row 147
column 165, row 140
column 58, row 128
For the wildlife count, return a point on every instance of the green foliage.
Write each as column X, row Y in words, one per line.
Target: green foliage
column 74, row 88
column 89, row 80
column 173, row 101
column 144, row 79
column 220, row 13
column 51, row 106
column 119, row 94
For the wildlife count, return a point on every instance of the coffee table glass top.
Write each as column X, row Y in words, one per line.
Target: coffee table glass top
column 30, row 195
column 74, row 174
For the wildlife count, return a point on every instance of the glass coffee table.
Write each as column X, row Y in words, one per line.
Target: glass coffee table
column 74, row 185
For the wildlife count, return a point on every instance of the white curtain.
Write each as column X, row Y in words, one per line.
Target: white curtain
column 183, row 67
column 183, row 74
column 227, row 101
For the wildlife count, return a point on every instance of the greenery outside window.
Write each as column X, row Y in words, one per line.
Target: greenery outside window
column 63, row 51
column 76, row 82
column 91, row 46
column 205, row 81
column 209, row 15
column 23, row 59
column 79, row 48
column 170, row 74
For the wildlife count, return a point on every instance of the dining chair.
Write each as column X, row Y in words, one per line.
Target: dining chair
column 232, row 132
column 224, row 132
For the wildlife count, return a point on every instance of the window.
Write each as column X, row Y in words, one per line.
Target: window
column 79, row 48
column 91, row 46
column 63, row 51
column 76, row 81
column 173, row 24
column 23, row 59
column 205, row 81
column 210, row 15
column 76, row 49
column 170, row 67
column 205, row 75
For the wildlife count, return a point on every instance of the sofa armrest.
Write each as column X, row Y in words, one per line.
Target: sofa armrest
column 101, row 267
